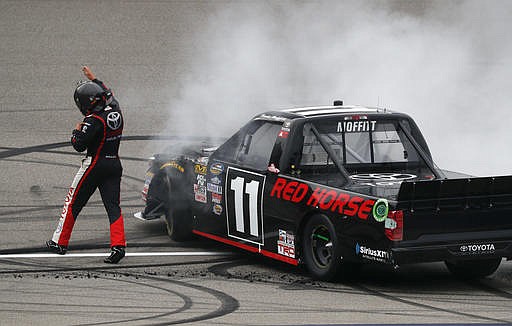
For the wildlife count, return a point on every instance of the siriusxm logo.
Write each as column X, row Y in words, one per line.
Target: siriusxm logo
column 370, row 253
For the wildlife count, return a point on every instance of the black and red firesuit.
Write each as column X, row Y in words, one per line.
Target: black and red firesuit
column 99, row 133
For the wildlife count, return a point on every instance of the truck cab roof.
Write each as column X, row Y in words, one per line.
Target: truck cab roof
column 325, row 111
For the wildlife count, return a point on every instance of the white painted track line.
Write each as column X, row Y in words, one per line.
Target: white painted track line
column 128, row 254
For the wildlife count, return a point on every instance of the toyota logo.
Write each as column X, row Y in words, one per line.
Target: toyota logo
column 114, row 120
column 383, row 176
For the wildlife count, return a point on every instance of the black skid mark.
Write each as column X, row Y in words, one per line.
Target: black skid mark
column 46, row 147
column 72, row 165
column 31, row 149
column 42, row 208
column 26, row 210
column 187, row 302
column 222, row 268
column 123, row 158
column 354, row 288
column 480, row 285
column 33, row 109
column 87, row 245
column 290, row 279
column 11, row 262
column 99, row 268
column 229, row 304
column 42, row 162
column 424, row 306
column 34, row 208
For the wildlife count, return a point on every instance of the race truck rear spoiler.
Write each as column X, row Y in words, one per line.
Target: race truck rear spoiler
column 449, row 210
column 455, row 194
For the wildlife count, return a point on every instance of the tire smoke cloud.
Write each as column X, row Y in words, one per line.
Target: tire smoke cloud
column 445, row 63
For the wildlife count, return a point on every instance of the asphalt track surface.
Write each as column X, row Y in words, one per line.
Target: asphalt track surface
column 160, row 282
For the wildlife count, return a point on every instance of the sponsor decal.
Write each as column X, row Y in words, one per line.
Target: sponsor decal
column 216, row 198
column 173, row 164
column 322, row 198
column 286, row 244
column 380, row 210
column 356, row 126
column 390, row 223
column 282, row 235
column 200, row 193
column 214, row 188
column 216, row 168
column 373, row 254
column 201, row 180
column 114, row 120
column 202, row 161
column 215, row 180
column 67, row 200
column 147, row 181
column 85, row 126
column 217, row 209
column 477, row 249
column 200, row 169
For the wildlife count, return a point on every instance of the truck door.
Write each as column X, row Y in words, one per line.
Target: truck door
column 236, row 178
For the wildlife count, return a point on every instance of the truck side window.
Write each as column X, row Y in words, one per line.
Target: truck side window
column 257, row 147
column 251, row 146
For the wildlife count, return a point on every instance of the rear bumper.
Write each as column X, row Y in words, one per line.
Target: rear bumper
column 463, row 250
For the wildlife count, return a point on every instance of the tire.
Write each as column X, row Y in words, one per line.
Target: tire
column 469, row 269
column 178, row 218
column 179, row 224
column 321, row 248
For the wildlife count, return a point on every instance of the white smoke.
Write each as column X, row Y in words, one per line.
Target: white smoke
column 445, row 63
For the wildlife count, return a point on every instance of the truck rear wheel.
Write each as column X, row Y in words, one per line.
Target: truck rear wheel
column 321, row 249
column 476, row 268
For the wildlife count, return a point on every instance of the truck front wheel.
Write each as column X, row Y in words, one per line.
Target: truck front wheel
column 477, row 268
column 179, row 224
column 178, row 218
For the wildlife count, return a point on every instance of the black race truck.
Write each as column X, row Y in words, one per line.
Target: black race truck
column 333, row 187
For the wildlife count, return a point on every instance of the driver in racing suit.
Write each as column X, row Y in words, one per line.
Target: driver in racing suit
column 99, row 133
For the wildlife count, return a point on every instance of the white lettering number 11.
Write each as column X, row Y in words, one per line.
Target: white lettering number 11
column 251, row 189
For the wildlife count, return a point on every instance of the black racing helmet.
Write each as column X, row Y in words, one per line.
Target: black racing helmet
column 90, row 97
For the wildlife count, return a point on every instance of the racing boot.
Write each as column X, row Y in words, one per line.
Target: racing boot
column 116, row 255
column 55, row 247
